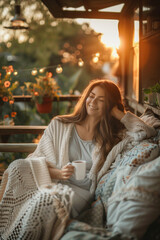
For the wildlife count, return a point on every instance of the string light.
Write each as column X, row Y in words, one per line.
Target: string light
column 95, row 59
column 59, row 69
column 80, row 62
column 15, row 73
column 97, row 54
column 34, row 72
column 41, row 70
column 9, row 73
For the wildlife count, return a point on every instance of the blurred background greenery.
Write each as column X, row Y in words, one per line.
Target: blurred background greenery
column 48, row 43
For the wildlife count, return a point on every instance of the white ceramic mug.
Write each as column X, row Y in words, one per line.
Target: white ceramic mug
column 80, row 169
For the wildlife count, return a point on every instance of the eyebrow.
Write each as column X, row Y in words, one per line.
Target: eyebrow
column 98, row 96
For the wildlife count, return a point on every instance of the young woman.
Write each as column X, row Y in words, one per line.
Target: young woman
column 89, row 133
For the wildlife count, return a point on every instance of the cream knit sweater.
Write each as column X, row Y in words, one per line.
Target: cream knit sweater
column 54, row 144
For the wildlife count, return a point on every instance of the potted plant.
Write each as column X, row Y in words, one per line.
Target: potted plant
column 43, row 90
column 7, row 86
column 150, row 95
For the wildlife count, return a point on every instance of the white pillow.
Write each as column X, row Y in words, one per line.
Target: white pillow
column 135, row 203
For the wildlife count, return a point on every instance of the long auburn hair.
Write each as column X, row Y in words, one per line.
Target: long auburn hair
column 107, row 129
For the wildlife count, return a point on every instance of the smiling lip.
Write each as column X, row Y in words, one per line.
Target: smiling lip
column 93, row 108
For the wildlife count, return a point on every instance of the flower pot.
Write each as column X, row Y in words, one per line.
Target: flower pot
column 45, row 106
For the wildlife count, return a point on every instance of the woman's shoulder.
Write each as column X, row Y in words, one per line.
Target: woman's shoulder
column 57, row 122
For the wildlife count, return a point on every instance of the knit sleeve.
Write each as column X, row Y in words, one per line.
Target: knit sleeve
column 46, row 146
column 135, row 124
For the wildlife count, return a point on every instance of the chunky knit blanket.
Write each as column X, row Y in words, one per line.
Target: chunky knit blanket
column 31, row 206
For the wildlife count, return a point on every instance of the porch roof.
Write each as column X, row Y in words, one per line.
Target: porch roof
column 88, row 8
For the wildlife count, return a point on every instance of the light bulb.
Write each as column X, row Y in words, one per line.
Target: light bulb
column 95, row 59
column 80, row 62
column 15, row 73
column 41, row 70
column 34, row 72
column 59, row 69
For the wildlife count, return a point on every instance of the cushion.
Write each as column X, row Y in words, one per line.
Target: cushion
column 135, row 202
column 142, row 153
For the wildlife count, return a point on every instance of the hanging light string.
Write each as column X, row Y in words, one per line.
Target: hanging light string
column 34, row 71
column 59, row 69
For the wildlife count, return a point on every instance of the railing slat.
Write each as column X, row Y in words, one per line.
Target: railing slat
column 21, row 129
column 18, row 147
column 60, row 98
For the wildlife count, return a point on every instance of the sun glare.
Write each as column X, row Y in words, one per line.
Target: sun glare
column 109, row 30
column 110, row 41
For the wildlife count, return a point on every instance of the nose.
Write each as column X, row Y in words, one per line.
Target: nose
column 94, row 100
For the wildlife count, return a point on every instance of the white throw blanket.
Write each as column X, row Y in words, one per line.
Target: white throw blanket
column 32, row 207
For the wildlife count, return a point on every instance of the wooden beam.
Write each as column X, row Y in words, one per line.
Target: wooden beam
column 129, row 7
column 54, row 8
column 92, row 14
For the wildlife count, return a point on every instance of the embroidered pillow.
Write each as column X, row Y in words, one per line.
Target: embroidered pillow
column 140, row 154
column 143, row 152
column 135, row 204
column 105, row 186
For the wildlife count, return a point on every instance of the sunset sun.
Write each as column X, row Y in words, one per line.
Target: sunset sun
column 109, row 31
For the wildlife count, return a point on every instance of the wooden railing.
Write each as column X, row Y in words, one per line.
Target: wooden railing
column 7, row 130
column 60, row 98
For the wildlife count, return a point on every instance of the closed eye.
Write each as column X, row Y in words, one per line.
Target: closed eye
column 91, row 96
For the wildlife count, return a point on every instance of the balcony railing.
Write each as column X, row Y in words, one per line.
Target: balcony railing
column 7, row 130
column 60, row 98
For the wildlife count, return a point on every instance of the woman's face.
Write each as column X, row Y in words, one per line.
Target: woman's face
column 95, row 102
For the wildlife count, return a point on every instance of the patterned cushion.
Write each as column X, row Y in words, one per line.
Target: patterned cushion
column 142, row 153
column 105, row 187
column 135, row 203
column 105, row 180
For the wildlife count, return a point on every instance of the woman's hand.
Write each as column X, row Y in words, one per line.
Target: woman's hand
column 61, row 174
column 118, row 114
column 67, row 171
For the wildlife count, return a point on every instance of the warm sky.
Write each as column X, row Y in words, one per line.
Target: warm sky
column 109, row 29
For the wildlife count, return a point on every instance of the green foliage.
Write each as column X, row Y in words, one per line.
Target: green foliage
column 153, row 89
column 7, row 158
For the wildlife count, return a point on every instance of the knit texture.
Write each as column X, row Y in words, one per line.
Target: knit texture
column 54, row 145
column 31, row 206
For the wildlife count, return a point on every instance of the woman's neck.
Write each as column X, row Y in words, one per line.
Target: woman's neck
column 87, row 128
column 90, row 123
